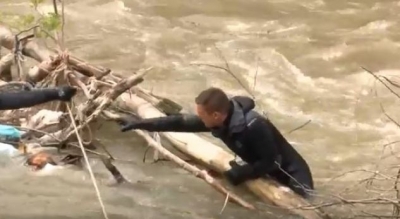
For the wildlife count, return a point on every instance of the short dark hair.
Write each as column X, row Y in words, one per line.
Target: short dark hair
column 213, row 100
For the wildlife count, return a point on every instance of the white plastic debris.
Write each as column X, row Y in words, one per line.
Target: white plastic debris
column 43, row 119
column 7, row 155
column 8, row 150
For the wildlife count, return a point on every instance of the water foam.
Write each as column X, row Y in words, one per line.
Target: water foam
column 273, row 92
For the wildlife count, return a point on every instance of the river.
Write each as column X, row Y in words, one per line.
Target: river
column 300, row 59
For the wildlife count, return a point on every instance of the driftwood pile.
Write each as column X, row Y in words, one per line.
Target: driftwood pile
column 101, row 90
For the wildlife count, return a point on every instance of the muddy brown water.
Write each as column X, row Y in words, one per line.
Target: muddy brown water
column 306, row 57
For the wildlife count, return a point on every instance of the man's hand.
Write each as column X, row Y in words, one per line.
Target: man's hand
column 66, row 93
column 128, row 123
column 238, row 174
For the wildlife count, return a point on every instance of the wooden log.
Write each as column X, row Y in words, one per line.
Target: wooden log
column 87, row 69
column 218, row 159
column 5, row 67
column 29, row 47
column 194, row 170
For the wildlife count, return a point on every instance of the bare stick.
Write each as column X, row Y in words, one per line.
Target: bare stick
column 297, row 128
column 87, row 163
column 88, row 150
column 62, row 41
column 194, row 170
column 232, row 74
column 225, row 203
column 58, row 40
column 55, row 7
column 117, row 90
column 255, row 76
column 380, row 80
column 396, row 209
column 388, row 116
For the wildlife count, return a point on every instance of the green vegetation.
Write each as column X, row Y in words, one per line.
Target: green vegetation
column 47, row 23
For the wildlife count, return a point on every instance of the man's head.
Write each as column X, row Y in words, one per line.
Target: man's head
column 212, row 107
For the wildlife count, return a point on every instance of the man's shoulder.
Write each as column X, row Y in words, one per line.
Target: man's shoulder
column 254, row 118
column 254, row 114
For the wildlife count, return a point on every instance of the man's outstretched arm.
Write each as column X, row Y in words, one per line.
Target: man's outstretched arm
column 173, row 123
column 25, row 99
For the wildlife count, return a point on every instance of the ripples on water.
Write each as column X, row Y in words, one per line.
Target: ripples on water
column 306, row 57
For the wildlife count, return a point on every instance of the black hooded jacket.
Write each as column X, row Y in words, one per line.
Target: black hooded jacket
column 248, row 134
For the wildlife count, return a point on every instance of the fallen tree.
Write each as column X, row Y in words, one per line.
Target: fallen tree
column 102, row 88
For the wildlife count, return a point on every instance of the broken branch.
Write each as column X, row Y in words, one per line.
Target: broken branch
column 194, row 170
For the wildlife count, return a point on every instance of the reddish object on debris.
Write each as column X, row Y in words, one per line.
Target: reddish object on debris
column 39, row 160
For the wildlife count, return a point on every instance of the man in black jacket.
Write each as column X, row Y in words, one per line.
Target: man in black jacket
column 23, row 99
column 248, row 134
